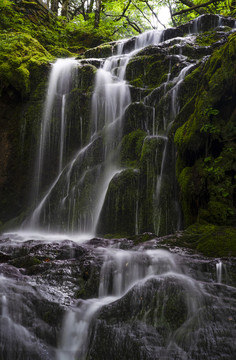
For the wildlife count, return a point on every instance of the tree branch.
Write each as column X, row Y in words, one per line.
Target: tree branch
column 195, row 7
column 191, row 4
column 145, row 17
column 171, row 14
column 131, row 23
column 124, row 10
column 153, row 13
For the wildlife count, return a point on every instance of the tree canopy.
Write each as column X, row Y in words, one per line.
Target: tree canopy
column 128, row 17
column 91, row 22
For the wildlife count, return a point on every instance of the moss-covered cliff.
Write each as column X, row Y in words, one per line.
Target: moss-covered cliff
column 205, row 141
column 177, row 148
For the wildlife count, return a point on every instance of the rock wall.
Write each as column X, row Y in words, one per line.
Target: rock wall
column 182, row 108
column 201, row 148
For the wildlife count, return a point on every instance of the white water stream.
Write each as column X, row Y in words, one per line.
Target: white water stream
column 122, row 271
column 73, row 202
column 110, row 99
column 59, row 85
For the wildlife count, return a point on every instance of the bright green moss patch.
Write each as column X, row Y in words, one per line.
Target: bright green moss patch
column 18, row 54
column 60, row 52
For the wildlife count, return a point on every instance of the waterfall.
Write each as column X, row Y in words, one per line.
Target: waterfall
column 74, row 200
column 138, row 296
column 60, row 82
column 79, row 157
column 219, row 266
column 121, row 272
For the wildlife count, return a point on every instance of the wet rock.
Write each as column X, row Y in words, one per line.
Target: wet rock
column 101, row 51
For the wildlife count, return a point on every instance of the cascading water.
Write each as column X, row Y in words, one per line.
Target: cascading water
column 112, row 299
column 78, row 198
column 96, row 163
column 60, row 83
column 123, row 272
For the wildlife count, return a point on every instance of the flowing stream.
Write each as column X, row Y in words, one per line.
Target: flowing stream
column 121, row 272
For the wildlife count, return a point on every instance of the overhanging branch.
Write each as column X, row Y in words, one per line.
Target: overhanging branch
column 195, row 7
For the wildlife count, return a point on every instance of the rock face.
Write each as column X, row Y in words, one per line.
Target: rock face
column 151, row 154
column 107, row 299
column 174, row 152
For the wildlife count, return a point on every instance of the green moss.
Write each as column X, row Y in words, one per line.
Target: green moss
column 59, row 52
column 137, row 116
column 212, row 240
column 29, row 18
column 217, row 79
column 147, row 70
column 101, row 51
column 209, row 239
column 131, row 148
column 208, row 38
column 141, row 238
column 204, row 140
column 151, row 155
column 86, row 76
column 18, row 54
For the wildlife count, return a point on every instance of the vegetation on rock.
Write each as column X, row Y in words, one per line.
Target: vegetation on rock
column 203, row 131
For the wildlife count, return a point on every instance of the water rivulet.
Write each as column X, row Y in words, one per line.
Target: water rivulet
column 119, row 128
column 106, row 161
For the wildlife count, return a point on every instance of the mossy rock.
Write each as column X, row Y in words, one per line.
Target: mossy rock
column 193, row 191
column 131, row 148
column 59, row 52
column 219, row 72
column 147, row 71
column 25, row 262
column 137, row 117
column 204, row 140
column 118, row 215
column 208, row 38
column 101, row 51
column 142, row 238
column 18, row 54
column 86, row 77
column 211, row 240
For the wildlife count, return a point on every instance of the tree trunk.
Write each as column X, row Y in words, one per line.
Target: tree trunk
column 54, row 6
column 191, row 4
column 90, row 7
column 97, row 13
column 64, row 9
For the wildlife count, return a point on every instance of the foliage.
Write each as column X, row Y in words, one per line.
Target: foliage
column 81, row 27
column 224, row 8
